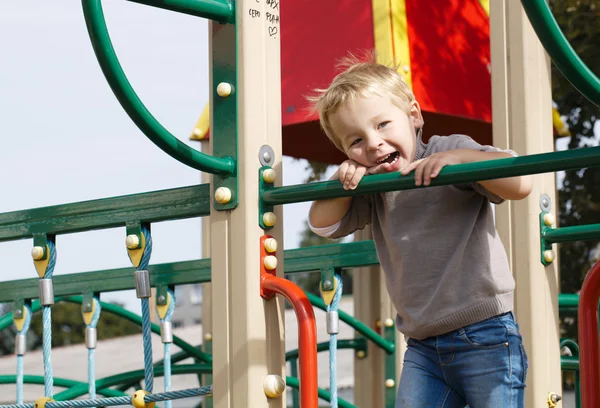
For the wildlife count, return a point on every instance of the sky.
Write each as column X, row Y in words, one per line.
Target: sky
column 64, row 137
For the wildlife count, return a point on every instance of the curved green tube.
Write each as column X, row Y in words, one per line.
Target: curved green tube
column 561, row 52
column 357, row 325
column 221, row 11
column 6, row 320
column 131, row 103
column 59, row 382
column 325, row 395
column 112, row 380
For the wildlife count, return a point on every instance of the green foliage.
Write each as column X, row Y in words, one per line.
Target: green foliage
column 579, row 196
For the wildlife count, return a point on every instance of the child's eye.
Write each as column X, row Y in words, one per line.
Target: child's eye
column 356, row 141
column 383, row 124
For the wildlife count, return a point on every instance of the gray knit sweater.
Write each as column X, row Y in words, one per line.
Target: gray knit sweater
column 444, row 263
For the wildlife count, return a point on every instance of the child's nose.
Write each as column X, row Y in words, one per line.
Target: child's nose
column 374, row 143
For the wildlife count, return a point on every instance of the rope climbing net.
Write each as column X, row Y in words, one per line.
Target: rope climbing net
column 139, row 248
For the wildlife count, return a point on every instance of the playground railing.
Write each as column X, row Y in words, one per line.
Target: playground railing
column 560, row 51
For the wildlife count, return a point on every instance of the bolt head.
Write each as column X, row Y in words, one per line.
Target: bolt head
column 269, row 175
column 327, row 284
column 388, row 322
column 132, row 241
column 224, row 89
column 389, row 383
column 360, row 354
column 549, row 255
column 269, row 219
column 162, row 299
column 37, row 253
column 267, row 157
column 223, row 195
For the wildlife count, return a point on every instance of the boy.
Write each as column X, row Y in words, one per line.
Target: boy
column 446, row 269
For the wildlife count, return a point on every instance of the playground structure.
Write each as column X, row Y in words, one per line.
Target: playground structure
column 244, row 200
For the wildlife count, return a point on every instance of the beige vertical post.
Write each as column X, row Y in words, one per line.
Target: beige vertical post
column 522, row 122
column 248, row 332
column 372, row 305
column 207, row 303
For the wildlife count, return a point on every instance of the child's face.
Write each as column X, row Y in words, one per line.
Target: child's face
column 374, row 131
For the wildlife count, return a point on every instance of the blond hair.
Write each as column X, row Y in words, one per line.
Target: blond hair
column 359, row 78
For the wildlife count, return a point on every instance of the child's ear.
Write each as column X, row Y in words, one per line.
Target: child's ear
column 415, row 114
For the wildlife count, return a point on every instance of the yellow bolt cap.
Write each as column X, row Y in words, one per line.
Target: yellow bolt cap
column 223, row 195
column 271, row 245
column 132, row 241
column 388, row 322
column 37, row 253
column 273, row 386
column 270, row 262
column 549, row 219
column 360, row 354
column 389, row 383
column 269, row 175
column 208, row 337
column 41, row 402
column 224, row 89
column 549, row 255
column 269, row 219
column 137, row 400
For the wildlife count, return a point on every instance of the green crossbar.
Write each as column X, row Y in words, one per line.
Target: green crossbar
column 163, row 205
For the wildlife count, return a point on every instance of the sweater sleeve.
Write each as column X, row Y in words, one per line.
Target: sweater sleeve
column 357, row 217
column 445, row 143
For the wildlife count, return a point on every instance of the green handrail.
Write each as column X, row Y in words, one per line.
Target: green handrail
column 58, row 382
column 356, row 325
column 7, row 319
column 561, row 52
column 455, row 174
column 221, row 11
column 355, row 344
column 131, row 103
column 573, row 233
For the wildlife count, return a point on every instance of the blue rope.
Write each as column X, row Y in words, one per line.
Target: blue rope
column 47, row 327
column 333, row 307
column 126, row 400
column 146, row 330
column 92, row 351
column 20, row 359
column 167, row 346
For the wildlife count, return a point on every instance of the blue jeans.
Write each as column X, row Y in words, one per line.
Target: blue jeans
column 483, row 365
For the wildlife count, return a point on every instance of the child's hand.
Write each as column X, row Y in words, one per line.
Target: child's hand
column 429, row 167
column 350, row 173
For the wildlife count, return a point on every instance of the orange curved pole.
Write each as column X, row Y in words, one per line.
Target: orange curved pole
column 270, row 284
column 589, row 355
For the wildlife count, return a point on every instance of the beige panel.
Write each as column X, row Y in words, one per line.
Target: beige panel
column 248, row 331
column 522, row 122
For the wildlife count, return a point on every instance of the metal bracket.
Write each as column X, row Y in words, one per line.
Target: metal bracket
column 262, row 208
column 327, row 279
column 266, row 156
column 224, row 131
column 88, row 302
column 18, row 306
column 161, row 295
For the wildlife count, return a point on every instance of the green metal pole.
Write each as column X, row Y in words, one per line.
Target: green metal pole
column 131, row 103
column 559, row 49
column 572, row 364
column 221, row 11
column 294, row 372
column 455, row 174
column 323, row 394
column 573, row 233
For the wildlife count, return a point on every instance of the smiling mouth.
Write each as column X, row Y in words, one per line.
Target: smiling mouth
column 390, row 158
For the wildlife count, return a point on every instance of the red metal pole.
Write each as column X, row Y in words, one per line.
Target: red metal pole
column 307, row 335
column 589, row 355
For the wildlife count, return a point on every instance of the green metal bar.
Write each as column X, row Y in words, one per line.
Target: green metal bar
column 324, row 395
column 568, row 302
column 7, row 320
column 568, row 363
column 574, row 233
column 455, row 174
column 294, row 373
column 163, row 205
column 561, row 52
column 221, row 11
column 356, row 325
column 58, row 382
column 131, row 103
column 117, row 379
column 390, row 367
column 109, row 280
column 348, row 255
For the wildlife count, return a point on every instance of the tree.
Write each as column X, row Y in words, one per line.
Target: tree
column 579, row 197
column 68, row 328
